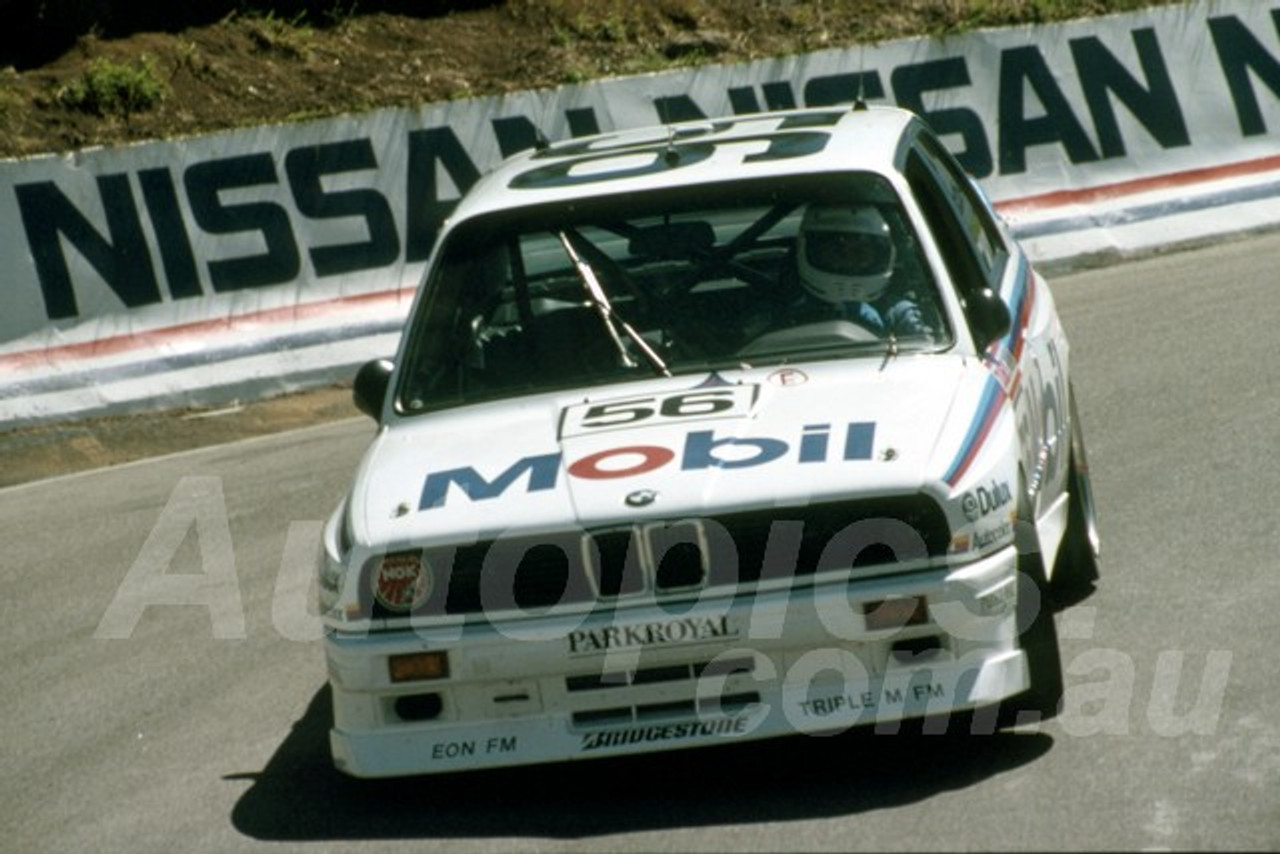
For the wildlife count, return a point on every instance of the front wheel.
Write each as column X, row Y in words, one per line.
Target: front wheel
column 1038, row 637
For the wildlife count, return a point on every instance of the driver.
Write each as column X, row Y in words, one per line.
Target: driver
column 845, row 258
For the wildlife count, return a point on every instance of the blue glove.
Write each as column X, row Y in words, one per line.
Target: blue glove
column 906, row 318
column 865, row 315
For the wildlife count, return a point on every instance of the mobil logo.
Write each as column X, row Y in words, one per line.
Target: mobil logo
column 701, row 449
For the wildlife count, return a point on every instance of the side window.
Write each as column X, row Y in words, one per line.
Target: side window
column 958, row 215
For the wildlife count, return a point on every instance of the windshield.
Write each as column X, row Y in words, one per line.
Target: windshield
column 666, row 283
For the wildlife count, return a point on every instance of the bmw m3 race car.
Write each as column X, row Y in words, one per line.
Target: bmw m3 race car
column 712, row 431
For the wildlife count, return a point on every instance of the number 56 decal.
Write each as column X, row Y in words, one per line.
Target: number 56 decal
column 697, row 404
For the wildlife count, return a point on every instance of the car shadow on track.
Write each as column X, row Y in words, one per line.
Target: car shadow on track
column 300, row 796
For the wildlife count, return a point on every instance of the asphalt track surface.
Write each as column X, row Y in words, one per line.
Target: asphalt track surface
column 203, row 727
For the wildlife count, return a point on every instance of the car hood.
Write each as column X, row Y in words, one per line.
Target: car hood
column 661, row 449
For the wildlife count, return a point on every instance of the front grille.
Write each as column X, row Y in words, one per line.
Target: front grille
column 617, row 570
column 516, row 573
column 725, row 551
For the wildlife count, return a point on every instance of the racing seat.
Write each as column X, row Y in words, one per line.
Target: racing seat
column 572, row 342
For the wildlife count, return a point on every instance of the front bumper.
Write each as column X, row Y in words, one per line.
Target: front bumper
column 806, row 659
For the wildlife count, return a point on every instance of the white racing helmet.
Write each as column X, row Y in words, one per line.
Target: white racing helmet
column 845, row 253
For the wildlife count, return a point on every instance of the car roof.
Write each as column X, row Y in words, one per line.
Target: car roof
column 756, row 145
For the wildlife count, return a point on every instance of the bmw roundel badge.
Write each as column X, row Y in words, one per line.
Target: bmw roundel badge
column 641, row 498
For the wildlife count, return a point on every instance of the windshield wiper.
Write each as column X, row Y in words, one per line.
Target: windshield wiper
column 892, row 350
column 612, row 321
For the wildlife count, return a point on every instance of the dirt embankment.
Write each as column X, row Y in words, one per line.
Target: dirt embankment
column 78, row 73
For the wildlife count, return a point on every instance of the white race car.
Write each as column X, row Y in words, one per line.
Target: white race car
column 712, row 431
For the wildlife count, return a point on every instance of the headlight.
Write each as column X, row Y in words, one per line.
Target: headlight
column 333, row 562
column 344, row 533
column 332, row 574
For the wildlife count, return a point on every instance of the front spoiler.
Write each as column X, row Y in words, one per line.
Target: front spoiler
column 799, row 661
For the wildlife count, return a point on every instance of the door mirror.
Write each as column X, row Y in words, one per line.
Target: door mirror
column 370, row 389
column 989, row 317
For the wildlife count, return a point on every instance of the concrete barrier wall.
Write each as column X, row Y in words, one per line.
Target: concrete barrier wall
column 201, row 270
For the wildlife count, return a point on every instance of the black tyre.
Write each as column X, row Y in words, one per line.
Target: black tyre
column 1038, row 637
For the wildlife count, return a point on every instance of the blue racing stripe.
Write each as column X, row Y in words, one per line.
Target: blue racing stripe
column 1020, row 301
column 979, row 427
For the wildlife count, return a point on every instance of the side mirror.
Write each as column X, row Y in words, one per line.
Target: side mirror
column 989, row 317
column 370, row 389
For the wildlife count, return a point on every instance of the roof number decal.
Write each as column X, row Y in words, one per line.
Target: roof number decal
column 635, row 162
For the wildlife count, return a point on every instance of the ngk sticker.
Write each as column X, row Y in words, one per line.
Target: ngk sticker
column 401, row 582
